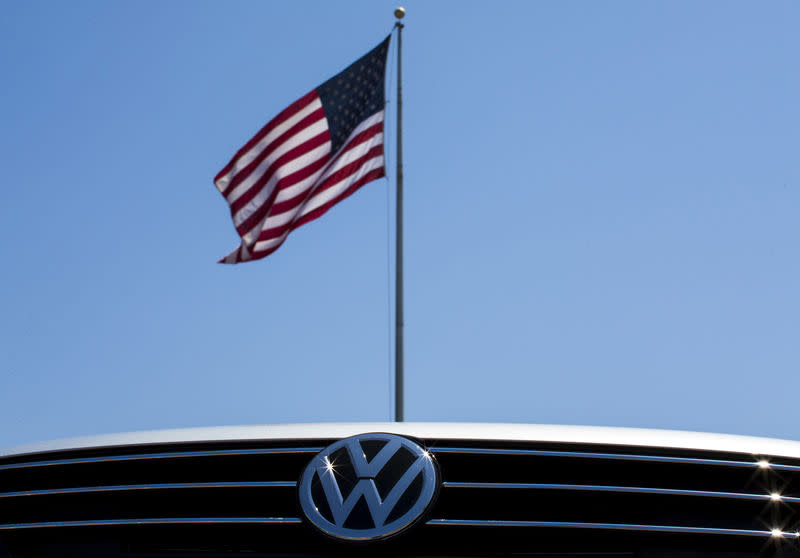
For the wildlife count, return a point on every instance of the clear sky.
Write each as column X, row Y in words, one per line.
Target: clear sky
column 602, row 218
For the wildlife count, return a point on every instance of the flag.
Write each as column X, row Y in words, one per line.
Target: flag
column 315, row 153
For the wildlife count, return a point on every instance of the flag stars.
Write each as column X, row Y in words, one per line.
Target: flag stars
column 354, row 95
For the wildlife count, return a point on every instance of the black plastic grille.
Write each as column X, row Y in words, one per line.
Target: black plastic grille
column 225, row 484
column 529, row 491
column 599, row 488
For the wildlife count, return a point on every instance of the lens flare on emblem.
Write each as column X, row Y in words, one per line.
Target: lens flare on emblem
column 368, row 487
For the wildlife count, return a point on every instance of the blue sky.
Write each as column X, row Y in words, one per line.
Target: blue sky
column 601, row 218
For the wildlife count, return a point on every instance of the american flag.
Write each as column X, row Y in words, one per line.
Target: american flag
column 315, row 153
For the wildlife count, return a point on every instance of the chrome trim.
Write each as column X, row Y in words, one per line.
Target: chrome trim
column 156, row 521
column 612, row 526
column 755, row 464
column 165, row 486
column 607, row 488
column 165, row 455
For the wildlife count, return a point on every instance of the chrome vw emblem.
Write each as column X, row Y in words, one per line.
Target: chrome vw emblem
column 368, row 487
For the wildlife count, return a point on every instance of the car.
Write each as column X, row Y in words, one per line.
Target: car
column 402, row 489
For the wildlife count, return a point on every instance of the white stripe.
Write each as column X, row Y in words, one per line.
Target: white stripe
column 290, row 167
column 275, row 221
column 330, row 193
column 347, row 154
column 233, row 257
column 314, row 202
column 368, row 123
column 266, row 223
column 337, row 164
column 346, row 157
column 303, row 135
column 272, row 242
column 294, row 190
column 254, row 151
column 351, row 154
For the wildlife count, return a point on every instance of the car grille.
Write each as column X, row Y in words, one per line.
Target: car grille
column 532, row 490
column 617, row 490
column 173, row 485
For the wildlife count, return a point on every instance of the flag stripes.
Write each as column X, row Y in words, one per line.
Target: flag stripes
column 359, row 161
column 295, row 167
column 288, row 174
column 361, row 154
column 273, row 129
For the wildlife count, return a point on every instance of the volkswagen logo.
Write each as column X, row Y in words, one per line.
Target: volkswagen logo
column 368, row 487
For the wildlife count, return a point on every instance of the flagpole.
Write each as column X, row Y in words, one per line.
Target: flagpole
column 398, row 302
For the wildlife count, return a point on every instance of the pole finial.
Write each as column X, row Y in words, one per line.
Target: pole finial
column 400, row 12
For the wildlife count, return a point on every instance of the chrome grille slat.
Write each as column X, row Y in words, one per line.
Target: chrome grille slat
column 632, row 489
column 158, row 455
column 157, row 521
column 615, row 526
column 165, row 486
column 756, row 464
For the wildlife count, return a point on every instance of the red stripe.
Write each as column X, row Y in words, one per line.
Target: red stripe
column 304, row 198
column 334, row 179
column 349, row 169
column 259, row 255
column 317, row 213
column 321, row 210
column 266, row 208
column 284, row 115
column 338, row 175
column 298, row 151
column 291, row 180
column 268, row 251
column 240, row 176
column 285, row 182
column 329, row 181
column 363, row 136
column 374, row 174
